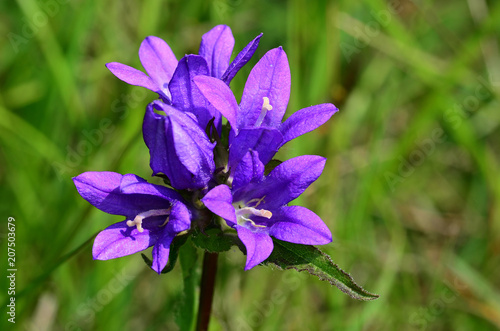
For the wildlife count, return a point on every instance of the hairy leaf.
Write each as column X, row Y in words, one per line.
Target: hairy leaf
column 213, row 240
column 308, row 258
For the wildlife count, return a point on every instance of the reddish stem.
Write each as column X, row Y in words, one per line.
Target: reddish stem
column 206, row 290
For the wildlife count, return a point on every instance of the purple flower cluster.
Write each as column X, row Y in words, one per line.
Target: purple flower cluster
column 184, row 133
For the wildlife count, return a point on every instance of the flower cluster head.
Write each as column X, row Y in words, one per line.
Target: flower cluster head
column 215, row 173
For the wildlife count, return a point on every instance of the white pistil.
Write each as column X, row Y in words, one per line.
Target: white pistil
column 154, row 212
column 257, row 212
column 244, row 212
column 241, row 214
column 266, row 106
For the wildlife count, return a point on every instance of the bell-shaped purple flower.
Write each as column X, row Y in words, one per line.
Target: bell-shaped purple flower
column 178, row 147
column 186, row 96
column 160, row 62
column 215, row 51
column 256, row 205
column 154, row 215
column 257, row 122
column 216, row 48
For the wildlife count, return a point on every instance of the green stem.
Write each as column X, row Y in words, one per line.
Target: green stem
column 207, row 290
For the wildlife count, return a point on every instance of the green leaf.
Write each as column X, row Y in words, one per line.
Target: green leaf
column 308, row 258
column 213, row 240
column 186, row 309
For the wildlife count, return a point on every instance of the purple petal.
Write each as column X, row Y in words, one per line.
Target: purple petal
column 219, row 201
column 186, row 96
column 306, row 120
column 259, row 246
column 132, row 76
column 130, row 179
column 220, row 96
column 249, row 170
column 299, row 225
column 288, row 180
column 157, row 134
column 114, row 193
column 263, row 140
column 193, row 149
column 216, row 47
column 241, row 59
column 269, row 78
column 119, row 239
column 158, row 60
column 153, row 190
column 179, row 220
column 161, row 251
column 178, row 147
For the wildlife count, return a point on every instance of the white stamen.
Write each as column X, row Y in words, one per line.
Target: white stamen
column 266, row 106
column 166, row 221
column 253, row 223
column 154, row 212
column 259, row 201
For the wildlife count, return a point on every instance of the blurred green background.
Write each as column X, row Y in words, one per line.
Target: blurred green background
column 411, row 189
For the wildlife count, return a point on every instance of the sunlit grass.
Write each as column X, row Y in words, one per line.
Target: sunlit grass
column 411, row 189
